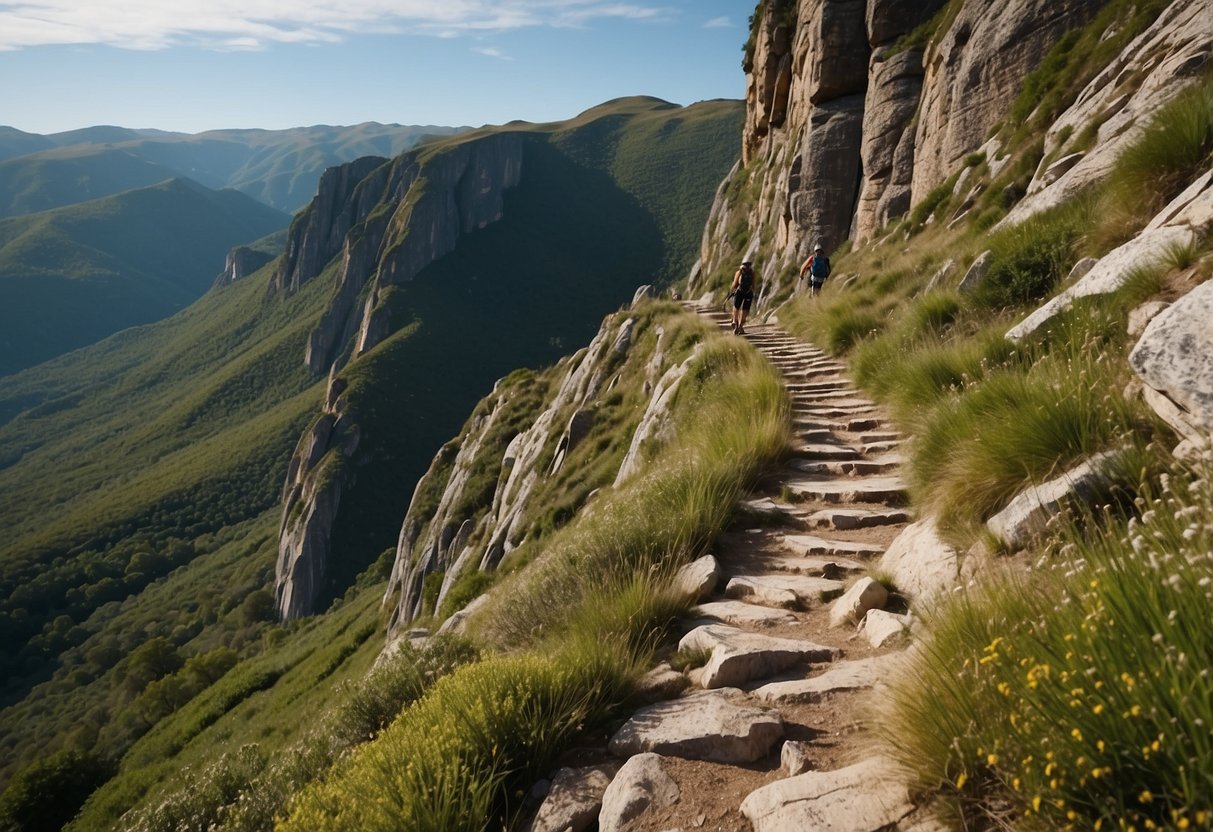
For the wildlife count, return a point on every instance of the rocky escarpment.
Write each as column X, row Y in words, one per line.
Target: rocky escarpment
column 850, row 123
column 386, row 222
column 534, row 455
column 310, row 499
column 241, row 262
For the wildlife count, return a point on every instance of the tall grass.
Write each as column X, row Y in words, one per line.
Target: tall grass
column 584, row 615
column 1079, row 696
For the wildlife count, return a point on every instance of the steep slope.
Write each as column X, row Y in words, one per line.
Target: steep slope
column 138, row 469
column 72, row 276
column 279, row 168
column 534, row 280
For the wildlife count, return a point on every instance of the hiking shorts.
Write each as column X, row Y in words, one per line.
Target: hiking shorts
column 743, row 301
column 816, row 285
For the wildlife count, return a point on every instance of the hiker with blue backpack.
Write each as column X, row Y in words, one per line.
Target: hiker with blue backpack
column 818, row 269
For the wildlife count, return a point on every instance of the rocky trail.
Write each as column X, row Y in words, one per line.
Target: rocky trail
column 764, row 727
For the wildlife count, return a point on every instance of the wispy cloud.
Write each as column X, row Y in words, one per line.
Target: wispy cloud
column 718, row 23
column 492, row 52
column 253, row 24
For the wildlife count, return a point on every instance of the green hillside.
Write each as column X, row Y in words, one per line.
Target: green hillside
column 57, row 178
column 74, row 275
column 141, row 477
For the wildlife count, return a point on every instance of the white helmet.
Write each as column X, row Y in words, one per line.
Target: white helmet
column 818, row 247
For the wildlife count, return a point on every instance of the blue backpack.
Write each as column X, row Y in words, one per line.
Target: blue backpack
column 821, row 268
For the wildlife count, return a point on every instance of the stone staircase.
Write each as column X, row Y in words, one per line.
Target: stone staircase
column 791, row 636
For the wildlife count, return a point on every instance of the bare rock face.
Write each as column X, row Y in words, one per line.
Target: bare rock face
column 974, row 72
column 832, row 40
column 1156, row 65
column 1172, row 356
column 311, row 497
column 892, row 97
column 240, row 263
column 823, row 185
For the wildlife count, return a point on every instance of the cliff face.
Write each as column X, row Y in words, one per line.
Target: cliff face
column 386, row 222
column 848, row 125
column 534, row 438
column 436, row 292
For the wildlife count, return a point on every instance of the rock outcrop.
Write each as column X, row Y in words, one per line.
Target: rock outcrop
column 848, row 126
column 240, row 263
column 1172, row 359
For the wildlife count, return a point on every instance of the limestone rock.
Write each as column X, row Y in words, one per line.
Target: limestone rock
column 920, row 563
column 641, row 783
column 974, row 71
column 794, row 757
column 892, row 97
column 697, row 580
column 240, row 263
column 702, row 726
column 838, row 677
column 574, row 800
column 808, row 544
column 865, row 594
column 941, row 275
column 1140, row 317
column 741, row 614
column 882, row 628
column 1161, row 62
column 644, row 292
column 739, row 656
column 865, row 797
column 653, row 420
column 790, row 591
column 1028, row 513
column 826, row 174
column 1111, row 272
column 1173, row 355
column 851, row 489
column 660, row 683
column 976, row 274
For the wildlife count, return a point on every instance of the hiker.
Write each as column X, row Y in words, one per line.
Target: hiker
column 818, row 268
column 743, row 295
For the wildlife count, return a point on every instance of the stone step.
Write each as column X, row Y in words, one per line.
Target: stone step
column 837, row 678
column 787, row 591
column 739, row 656
column 835, row 569
column 821, row 386
column 884, row 436
column 880, row 489
column 866, row 797
column 808, row 545
column 817, row 451
column 773, row 511
column 844, row 519
column 700, row 726
column 867, row 423
column 741, row 614
column 824, row 412
column 879, row 447
column 844, row 467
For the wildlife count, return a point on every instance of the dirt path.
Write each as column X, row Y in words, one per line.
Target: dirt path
column 816, row 526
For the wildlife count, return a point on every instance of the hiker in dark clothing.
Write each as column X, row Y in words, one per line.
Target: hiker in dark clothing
column 743, row 295
column 818, row 269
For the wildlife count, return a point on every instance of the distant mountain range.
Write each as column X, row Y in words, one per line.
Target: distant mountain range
column 73, row 275
column 277, row 167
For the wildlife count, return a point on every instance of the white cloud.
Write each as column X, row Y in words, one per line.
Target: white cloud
column 253, row 24
column 492, row 52
column 718, row 23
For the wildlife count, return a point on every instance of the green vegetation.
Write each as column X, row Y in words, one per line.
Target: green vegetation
column 585, row 614
column 72, row 276
column 140, row 478
column 1079, row 695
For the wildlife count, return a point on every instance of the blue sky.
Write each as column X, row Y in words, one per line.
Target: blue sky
column 194, row 65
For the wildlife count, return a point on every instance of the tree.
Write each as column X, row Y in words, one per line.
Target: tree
column 49, row 792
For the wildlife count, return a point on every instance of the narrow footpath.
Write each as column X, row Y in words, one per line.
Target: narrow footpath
column 767, row 732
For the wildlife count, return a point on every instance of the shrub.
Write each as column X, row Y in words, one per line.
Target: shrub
column 1030, row 258
column 46, row 794
column 1080, row 694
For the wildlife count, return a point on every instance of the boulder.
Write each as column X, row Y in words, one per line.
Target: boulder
column 790, row 591
column 574, row 799
column 739, row 655
column 941, row 275
column 1172, row 356
column 1140, row 317
column 702, row 726
column 976, row 274
column 794, row 757
column 882, row 629
column 644, row 292
column 1028, row 513
column 865, row 797
column 660, row 683
column 865, row 594
column 697, row 579
column 920, row 563
column 642, row 783
column 1146, row 250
